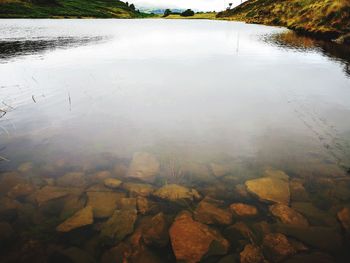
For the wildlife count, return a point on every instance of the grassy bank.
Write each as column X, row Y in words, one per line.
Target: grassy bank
column 210, row 15
column 322, row 18
column 67, row 9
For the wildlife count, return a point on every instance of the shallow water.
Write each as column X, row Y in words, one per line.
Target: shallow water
column 215, row 103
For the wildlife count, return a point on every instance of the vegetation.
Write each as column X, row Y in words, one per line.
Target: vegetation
column 199, row 15
column 187, row 12
column 68, row 9
column 322, row 18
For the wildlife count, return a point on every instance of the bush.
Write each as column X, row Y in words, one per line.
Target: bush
column 188, row 12
column 166, row 12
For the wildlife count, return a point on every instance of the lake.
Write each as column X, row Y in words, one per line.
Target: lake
column 124, row 140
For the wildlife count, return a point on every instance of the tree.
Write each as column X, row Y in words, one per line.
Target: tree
column 132, row 7
column 188, row 12
column 167, row 12
column 230, row 5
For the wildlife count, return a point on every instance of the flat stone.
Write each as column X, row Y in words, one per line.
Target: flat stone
column 269, row 189
column 288, row 215
column 119, row 225
column 344, row 218
column 238, row 232
column 173, row 192
column 144, row 166
column 191, row 240
column 157, row 233
column 112, row 183
column 48, row 193
column 209, row 212
column 251, row 254
column 71, row 205
column 277, row 247
column 73, row 179
column 82, row 218
column 243, row 210
column 135, row 189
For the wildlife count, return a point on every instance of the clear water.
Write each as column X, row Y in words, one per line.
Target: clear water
column 84, row 95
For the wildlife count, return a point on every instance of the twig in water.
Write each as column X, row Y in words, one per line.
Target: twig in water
column 33, row 99
column 4, row 159
column 70, row 102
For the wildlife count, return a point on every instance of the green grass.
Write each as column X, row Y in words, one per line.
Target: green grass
column 327, row 18
column 67, row 9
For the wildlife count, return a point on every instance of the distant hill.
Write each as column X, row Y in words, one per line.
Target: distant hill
column 323, row 18
column 67, row 8
column 159, row 11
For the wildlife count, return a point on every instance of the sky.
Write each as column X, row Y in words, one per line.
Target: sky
column 200, row 5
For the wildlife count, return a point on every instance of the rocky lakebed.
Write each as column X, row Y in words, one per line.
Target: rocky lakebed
column 141, row 210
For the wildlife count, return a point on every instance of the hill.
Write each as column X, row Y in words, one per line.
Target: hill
column 67, row 9
column 322, row 18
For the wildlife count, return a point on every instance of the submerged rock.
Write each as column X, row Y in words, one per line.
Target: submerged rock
column 83, row 217
column 314, row 215
column 119, row 225
column 288, row 215
column 157, row 233
column 209, row 211
column 315, row 257
column 71, row 205
column 344, row 218
column 48, row 193
column 144, row 166
column 25, row 167
column 173, row 192
column 277, row 247
column 21, row 190
column 324, row 238
column 219, row 170
column 243, row 210
column 251, row 254
column 269, row 189
column 103, row 203
column 112, row 183
column 6, row 232
column 297, row 191
column 135, row 189
column 239, row 232
column 277, row 174
column 8, row 208
column 73, row 179
column 191, row 240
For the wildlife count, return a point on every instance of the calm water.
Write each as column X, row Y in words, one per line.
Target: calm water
column 85, row 95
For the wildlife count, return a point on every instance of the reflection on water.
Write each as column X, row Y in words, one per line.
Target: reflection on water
column 15, row 48
column 172, row 141
column 333, row 50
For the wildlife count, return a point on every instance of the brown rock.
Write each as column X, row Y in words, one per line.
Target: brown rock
column 74, row 179
column 72, row 204
column 119, row 225
column 83, row 217
column 278, row 174
column 269, row 189
column 288, row 215
column 9, row 180
column 344, row 218
column 191, row 240
column 100, row 176
column 244, row 210
column 144, row 166
column 297, row 191
column 251, row 254
column 103, row 203
column 208, row 211
column 157, row 233
column 277, row 247
column 21, row 190
column 112, row 183
column 48, row 193
column 173, row 192
column 138, row 189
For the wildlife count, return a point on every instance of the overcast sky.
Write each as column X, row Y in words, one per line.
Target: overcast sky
column 202, row 5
